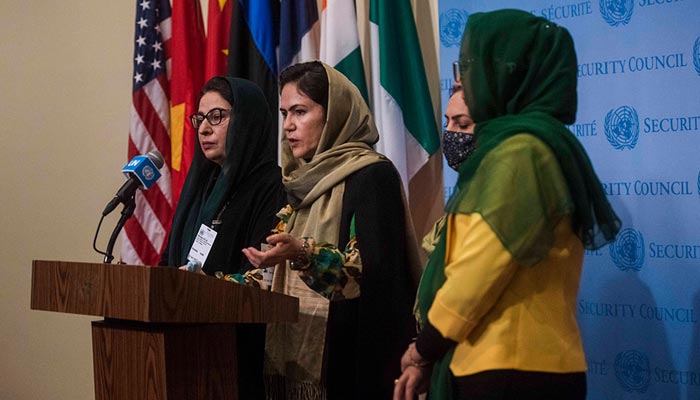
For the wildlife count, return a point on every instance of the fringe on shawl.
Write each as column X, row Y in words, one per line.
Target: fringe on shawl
column 278, row 387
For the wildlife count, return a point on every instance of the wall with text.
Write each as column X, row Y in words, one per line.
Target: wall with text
column 639, row 120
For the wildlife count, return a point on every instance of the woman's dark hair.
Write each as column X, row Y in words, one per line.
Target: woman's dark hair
column 220, row 85
column 311, row 79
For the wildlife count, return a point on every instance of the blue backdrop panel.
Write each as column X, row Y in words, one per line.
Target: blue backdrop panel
column 639, row 120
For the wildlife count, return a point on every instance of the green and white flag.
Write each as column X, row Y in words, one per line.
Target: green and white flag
column 401, row 101
column 340, row 43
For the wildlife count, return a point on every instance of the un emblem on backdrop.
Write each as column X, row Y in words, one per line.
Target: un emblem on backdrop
column 632, row 371
column 622, row 127
column 452, row 23
column 616, row 12
column 627, row 251
column 696, row 55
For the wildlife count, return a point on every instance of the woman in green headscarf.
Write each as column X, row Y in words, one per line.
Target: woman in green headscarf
column 497, row 298
column 346, row 251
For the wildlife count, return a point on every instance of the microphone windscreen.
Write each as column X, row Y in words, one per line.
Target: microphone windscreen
column 156, row 158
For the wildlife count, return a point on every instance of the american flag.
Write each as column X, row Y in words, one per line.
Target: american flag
column 146, row 232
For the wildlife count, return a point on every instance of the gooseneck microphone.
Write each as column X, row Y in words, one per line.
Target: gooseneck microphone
column 140, row 172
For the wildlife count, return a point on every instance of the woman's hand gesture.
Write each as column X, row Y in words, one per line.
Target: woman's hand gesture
column 284, row 247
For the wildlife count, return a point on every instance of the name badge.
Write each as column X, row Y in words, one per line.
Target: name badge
column 202, row 245
column 267, row 273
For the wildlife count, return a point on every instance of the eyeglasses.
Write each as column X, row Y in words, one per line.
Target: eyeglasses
column 214, row 116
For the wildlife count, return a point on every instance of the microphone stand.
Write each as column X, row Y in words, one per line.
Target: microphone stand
column 127, row 211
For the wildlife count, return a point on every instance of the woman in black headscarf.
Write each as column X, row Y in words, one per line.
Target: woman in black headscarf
column 234, row 187
column 234, row 184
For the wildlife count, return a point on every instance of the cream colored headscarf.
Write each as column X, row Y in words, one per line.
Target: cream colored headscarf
column 294, row 352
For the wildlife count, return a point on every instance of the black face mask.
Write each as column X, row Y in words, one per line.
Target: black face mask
column 457, row 147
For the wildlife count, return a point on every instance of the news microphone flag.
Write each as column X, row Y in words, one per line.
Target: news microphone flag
column 143, row 169
column 140, row 172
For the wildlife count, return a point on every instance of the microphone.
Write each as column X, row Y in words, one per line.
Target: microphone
column 141, row 172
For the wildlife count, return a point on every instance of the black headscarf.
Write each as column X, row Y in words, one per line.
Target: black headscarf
column 244, row 194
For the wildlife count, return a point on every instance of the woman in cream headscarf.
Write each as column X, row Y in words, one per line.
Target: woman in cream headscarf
column 347, row 250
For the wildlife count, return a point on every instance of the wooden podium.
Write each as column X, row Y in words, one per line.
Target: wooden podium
column 166, row 333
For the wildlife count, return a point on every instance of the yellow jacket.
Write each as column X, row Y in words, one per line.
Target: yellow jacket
column 506, row 316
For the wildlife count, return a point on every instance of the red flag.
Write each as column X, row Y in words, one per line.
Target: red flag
column 218, row 31
column 186, row 82
column 145, row 233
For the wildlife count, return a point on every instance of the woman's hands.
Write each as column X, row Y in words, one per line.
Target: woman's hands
column 415, row 376
column 412, row 382
column 285, row 247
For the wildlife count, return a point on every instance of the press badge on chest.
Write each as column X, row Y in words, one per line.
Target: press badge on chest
column 202, row 245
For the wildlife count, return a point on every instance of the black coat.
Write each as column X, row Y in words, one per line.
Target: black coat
column 367, row 336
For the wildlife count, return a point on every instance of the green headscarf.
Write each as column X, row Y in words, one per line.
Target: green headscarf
column 519, row 73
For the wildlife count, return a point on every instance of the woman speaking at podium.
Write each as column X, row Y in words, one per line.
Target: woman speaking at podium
column 346, row 249
column 232, row 192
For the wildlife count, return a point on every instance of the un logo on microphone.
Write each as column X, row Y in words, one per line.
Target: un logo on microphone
column 632, row 371
column 616, row 12
column 148, row 172
column 452, row 23
column 622, row 127
column 627, row 251
column 696, row 55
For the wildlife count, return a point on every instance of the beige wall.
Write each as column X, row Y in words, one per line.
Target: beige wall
column 65, row 87
column 65, row 95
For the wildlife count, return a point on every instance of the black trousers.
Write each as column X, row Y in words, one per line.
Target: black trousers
column 521, row 385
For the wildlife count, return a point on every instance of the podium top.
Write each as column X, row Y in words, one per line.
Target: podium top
column 153, row 294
